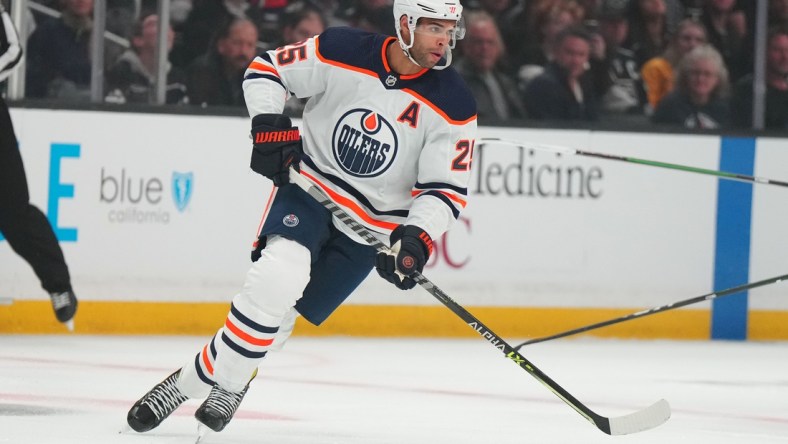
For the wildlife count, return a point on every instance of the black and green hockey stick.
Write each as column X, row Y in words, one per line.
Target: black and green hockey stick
column 642, row 420
column 566, row 150
column 660, row 309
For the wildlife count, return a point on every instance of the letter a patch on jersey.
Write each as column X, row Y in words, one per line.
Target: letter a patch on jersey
column 411, row 114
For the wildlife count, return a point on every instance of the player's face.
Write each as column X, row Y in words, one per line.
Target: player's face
column 432, row 38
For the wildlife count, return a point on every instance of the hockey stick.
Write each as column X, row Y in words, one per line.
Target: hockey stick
column 651, row 311
column 641, row 420
column 566, row 150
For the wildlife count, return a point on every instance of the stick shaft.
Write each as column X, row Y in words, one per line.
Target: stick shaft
column 660, row 309
column 653, row 163
column 599, row 421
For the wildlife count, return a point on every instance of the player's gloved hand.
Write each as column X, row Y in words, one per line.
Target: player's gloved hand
column 276, row 146
column 411, row 248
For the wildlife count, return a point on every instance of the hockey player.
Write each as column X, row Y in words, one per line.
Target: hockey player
column 24, row 226
column 388, row 134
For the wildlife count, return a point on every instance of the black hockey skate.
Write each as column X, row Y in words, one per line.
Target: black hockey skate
column 156, row 405
column 65, row 306
column 219, row 407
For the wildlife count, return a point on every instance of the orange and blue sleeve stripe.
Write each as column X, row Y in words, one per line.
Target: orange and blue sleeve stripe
column 453, row 196
column 263, row 68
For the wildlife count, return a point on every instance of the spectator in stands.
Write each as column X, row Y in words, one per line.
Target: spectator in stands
column 648, row 34
column 268, row 22
column 548, row 20
column 133, row 76
column 658, row 73
column 497, row 9
column 179, row 12
column 563, row 92
column 120, row 17
column 300, row 21
column 700, row 98
column 623, row 91
column 776, row 115
column 205, row 17
column 371, row 15
column 58, row 54
column 678, row 10
column 515, row 28
column 276, row 15
column 330, row 10
column 726, row 28
column 512, row 17
column 778, row 13
column 215, row 78
column 592, row 7
column 493, row 89
column 693, row 8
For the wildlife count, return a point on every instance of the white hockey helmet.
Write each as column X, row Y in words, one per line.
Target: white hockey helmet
column 436, row 9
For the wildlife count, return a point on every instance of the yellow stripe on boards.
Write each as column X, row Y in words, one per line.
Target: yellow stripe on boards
column 767, row 325
column 507, row 322
column 174, row 318
column 105, row 317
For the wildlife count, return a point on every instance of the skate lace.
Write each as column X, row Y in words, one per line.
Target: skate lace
column 60, row 300
column 223, row 401
column 165, row 397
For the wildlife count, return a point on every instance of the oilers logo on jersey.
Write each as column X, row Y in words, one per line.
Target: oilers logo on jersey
column 388, row 149
column 364, row 143
column 291, row 220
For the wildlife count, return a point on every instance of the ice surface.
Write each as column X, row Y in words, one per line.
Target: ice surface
column 77, row 389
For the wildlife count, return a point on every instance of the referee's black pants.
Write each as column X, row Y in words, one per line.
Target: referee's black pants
column 24, row 226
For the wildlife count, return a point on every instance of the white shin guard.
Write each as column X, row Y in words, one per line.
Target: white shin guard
column 273, row 285
column 285, row 330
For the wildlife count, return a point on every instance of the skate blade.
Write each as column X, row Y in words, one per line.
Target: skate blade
column 69, row 325
column 202, row 431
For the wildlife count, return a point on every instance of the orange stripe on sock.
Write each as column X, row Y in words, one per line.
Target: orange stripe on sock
column 245, row 336
column 205, row 359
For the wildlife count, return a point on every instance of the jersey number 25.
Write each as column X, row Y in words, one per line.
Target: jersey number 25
column 462, row 162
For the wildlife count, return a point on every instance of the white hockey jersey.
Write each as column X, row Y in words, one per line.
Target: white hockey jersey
column 388, row 149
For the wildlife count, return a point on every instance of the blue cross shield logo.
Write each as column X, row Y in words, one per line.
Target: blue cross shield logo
column 182, row 186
